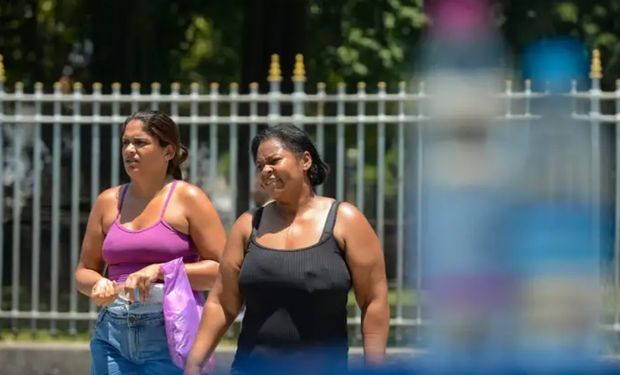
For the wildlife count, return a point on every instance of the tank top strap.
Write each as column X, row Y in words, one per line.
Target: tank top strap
column 258, row 213
column 330, row 221
column 163, row 210
column 123, row 189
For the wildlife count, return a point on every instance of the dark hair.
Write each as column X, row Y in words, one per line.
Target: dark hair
column 297, row 141
column 162, row 127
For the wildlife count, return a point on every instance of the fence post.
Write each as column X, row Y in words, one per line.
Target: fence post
column 56, row 184
column 17, row 201
column 595, row 139
column 617, row 215
column 116, row 141
column 361, row 146
column 233, row 146
column 155, row 92
column 213, row 127
column 340, row 142
column 400, row 210
column 75, row 199
column 253, row 131
column 193, row 133
column 2, row 80
column 95, row 152
column 299, row 78
column 36, row 210
column 320, row 124
column 274, row 78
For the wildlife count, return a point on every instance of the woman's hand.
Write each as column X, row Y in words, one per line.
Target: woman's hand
column 104, row 292
column 191, row 369
column 141, row 281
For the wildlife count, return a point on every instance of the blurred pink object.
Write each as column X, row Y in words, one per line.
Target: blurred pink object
column 458, row 18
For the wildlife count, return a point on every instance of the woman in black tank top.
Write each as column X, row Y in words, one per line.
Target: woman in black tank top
column 292, row 263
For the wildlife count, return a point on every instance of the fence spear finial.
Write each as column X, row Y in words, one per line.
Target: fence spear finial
column 2, row 72
column 596, row 69
column 299, row 72
column 275, row 74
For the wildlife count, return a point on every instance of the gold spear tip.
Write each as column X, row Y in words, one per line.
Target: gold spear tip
column 175, row 86
column 275, row 74
column 361, row 85
column 402, row 85
column 19, row 85
column 194, row 86
column 116, row 86
column 38, row 86
column 234, row 86
column 299, row 71
column 135, row 86
column 57, row 85
column 254, row 85
column 214, row 86
column 321, row 86
column 2, row 71
column 381, row 85
column 77, row 86
column 97, row 85
column 596, row 69
column 155, row 86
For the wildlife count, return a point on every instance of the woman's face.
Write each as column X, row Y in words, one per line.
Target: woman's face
column 142, row 154
column 280, row 169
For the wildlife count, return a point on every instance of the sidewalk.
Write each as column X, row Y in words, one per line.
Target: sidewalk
column 17, row 358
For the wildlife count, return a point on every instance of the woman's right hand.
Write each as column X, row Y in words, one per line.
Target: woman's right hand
column 104, row 292
column 191, row 369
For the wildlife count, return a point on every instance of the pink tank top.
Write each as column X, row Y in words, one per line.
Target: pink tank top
column 126, row 251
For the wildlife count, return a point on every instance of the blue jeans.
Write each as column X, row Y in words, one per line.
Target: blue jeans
column 131, row 339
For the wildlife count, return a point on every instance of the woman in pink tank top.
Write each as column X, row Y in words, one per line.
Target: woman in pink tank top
column 132, row 230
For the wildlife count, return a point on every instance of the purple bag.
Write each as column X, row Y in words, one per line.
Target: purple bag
column 182, row 312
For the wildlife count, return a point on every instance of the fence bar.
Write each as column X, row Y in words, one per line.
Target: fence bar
column 155, row 93
column 17, row 205
column 135, row 97
column 56, row 181
column 36, row 212
column 233, row 149
column 95, row 147
column 116, row 138
column 175, row 87
column 381, row 165
column 75, row 202
column 340, row 144
column 320, row 126
column 616, row 289
column 361, row 147
column 213, row 135
column 595, row 140
column 419, row 205
column 1, row 190
column 275, row 77
column 400, row 211
column 193, row 134
column 508, row 100
column 253, row 131
column 299, row 79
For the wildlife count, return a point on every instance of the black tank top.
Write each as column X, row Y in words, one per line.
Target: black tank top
column 296, row 305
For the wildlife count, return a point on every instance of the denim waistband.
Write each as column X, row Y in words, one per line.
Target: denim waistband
column 156, row 294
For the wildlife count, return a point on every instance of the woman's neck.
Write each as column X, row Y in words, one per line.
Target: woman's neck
column 147, row 188
column 290, row 209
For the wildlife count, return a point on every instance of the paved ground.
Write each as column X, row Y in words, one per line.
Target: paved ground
column 69, row 358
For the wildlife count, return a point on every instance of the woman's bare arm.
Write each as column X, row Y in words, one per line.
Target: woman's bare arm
column 366, row 263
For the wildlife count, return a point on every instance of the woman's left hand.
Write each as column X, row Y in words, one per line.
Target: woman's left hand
column 141, row 281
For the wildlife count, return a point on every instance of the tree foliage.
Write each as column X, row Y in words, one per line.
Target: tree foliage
column 194, row 40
